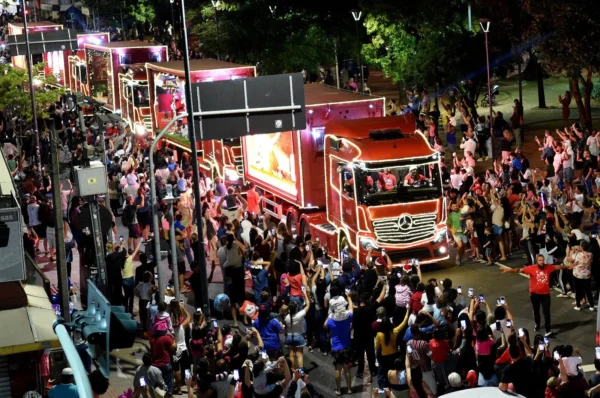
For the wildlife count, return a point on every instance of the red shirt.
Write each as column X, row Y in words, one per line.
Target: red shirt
column 161, row 349
column 415, row 302
column 387, row 181
column 252, row 198
column 539, row 281
column 439, row 350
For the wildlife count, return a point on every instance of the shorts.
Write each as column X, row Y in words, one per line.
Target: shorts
column 51, row 235
column 134, row 231
column 342, row 357
column 40, row 230
column 474, row 241
column 144, row 219
column 498, row 230
column 488, row 251
column 568, row 174
column 181, row 267
column 461, row 238
column 182, row 363
column 295, row 340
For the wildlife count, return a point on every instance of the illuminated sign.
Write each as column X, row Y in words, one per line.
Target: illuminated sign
column 271, row 158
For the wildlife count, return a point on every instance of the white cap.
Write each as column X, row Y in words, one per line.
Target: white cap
column 67, row 372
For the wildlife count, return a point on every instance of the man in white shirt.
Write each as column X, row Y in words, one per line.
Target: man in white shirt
column 567, row 162
column 468, row 144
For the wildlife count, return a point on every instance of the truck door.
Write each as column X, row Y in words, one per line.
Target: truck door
column 347, row 198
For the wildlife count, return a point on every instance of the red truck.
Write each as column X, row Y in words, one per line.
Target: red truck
column 353, row 180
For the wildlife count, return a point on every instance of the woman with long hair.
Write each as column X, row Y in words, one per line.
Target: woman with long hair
column 294, row 330
column 386, row 347
column 235, row 271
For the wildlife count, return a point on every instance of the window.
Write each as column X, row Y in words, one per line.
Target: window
column 318, row 134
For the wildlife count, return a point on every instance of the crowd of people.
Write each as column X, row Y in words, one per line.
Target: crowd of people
column 285, row 297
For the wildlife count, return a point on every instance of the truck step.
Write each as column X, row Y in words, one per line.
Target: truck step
column 326, row 226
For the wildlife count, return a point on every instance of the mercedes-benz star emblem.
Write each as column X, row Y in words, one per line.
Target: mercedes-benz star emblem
column 405, row 222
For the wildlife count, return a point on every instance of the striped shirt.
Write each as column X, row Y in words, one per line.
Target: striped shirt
column 420, row 355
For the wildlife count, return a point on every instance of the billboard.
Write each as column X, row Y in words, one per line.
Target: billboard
column 169, row 98
column 12, row 267
column 271, row 159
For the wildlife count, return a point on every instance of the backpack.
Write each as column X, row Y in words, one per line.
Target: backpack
column 126, row 217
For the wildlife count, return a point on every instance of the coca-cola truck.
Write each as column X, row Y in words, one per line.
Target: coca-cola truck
column 355, row 181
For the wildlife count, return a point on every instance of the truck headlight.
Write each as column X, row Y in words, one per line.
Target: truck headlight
column 232, row 175
column 440, row 235
column 368, row 243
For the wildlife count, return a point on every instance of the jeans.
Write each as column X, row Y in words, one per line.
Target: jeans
column 583, row 289
column 128, row 286
column 544, row 301
column 167, row 374
column 587, row 185
column 386, row 362
column 320, row 316
column 565, row 278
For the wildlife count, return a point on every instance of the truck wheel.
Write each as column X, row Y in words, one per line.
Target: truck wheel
column 292, row 224
column 304, row 229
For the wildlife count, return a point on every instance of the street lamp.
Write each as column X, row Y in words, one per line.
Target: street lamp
column 216, row 4
column 357, row 15
column 485, row 26
column 272, row 9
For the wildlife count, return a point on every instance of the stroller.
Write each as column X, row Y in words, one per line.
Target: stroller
column 495, row 92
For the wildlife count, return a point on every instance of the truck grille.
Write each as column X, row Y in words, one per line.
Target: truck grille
column 406, row 229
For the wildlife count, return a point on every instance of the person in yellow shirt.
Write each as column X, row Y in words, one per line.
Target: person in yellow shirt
column 128, row 280
column 386, row 347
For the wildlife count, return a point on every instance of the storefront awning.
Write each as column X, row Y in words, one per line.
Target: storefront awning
column 28, row 328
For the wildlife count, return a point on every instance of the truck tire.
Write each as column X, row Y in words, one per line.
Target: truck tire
column 304, row 229
column 292, row 224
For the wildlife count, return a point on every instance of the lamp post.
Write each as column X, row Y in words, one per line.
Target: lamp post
column 273, row 9
column 485, row 26
column 357, row 15
column 216, row 4
column 172, row 17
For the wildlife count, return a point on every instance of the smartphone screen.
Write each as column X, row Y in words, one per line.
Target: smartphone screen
column 471, row 292
column 459, row 290
column 463, row 324
column 236, row 375
column 508, row 323
column 142, row 382
column 215, row 324
column 556, row 355
column 264, row 355
column 181, row 301
column 187, row 374
column 597, row 352
column 348, row 291
column 409, row 349
column 541, row 347
column 481, row 298
column 303, row 289
column 521, row 332
column 498, row 325
column 318, row 239
column 547, row 341
column 121, row 238
column 502, row 300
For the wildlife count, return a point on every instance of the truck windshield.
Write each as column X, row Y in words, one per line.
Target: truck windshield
column 398, row 184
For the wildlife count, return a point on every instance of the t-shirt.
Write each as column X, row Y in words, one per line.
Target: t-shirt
column 253, row 198
column 453, row 222
column 520, row 374
column 485, row 347
column 269, row 332
column 63, row 391
column 363, row 317
column 387, row 181
column 294, row 325
column 415, row 302
column 420, row 355
column 539, row 281
column 340, row 333
column 161, row 351
column 439, row 350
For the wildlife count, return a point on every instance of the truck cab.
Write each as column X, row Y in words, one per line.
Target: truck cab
column 384, row 192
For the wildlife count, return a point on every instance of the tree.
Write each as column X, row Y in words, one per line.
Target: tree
column 566, row 36
column 142, row 11
column 14, row 85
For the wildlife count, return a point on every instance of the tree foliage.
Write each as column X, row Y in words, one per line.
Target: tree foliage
column 14, row 85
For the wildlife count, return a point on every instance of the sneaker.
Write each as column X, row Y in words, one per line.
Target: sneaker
column 562, row 295
column 487, row 158
column 324, row 353
column 480, row 160
column 536, row 327
column 577, row 308
column 592, row 309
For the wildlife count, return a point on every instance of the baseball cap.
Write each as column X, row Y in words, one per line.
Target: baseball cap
column 67, row 372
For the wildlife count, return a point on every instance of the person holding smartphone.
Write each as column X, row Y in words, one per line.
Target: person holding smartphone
column 149, row 375
column 539, row 288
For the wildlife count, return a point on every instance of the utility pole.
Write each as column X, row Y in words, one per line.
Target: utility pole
column 32, row 92
column 196, row 180
column 61, row 262
column 337, row 64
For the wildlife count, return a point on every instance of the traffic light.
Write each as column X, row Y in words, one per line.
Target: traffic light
column 104, row 327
